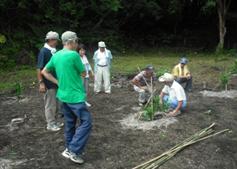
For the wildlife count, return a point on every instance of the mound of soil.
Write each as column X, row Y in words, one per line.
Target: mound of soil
column 111, row 146
column 220, row 94
column 132, row 121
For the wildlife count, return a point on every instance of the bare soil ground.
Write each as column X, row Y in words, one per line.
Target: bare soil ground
column 111, row 146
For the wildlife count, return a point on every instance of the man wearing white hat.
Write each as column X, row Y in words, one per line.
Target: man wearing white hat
column 71, row 93
column 172, row 94
column 48, row 88
column 102, row 64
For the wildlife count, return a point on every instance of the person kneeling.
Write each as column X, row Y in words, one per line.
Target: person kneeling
column 141, row 84
column 173, row 95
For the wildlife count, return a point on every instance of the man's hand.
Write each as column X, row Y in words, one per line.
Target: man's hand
column 42, row 88
column 49, row 76
column 149, row 90
column 161, row 100
column 188, row 76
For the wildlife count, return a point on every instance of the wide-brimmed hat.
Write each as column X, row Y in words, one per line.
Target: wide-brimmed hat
column 101, row 44
column 167, row 77
column 69, row 36
column 52, row 35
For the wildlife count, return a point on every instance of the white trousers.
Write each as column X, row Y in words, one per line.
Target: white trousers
column 143, row 95
column 102, row 74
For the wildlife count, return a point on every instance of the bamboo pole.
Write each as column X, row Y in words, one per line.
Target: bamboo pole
column 197, row 137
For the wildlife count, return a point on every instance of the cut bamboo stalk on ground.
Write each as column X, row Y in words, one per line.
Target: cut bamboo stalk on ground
column 197, row 137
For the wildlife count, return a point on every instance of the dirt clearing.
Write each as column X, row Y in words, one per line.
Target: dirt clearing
column 113, row 145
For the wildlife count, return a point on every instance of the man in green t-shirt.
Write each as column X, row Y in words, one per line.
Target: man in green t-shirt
column 69, row 69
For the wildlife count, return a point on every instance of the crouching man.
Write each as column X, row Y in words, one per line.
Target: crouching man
column 142, row 83
column 173, row 95
column 182, row 74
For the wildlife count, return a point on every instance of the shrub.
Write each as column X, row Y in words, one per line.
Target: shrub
column 224, row 79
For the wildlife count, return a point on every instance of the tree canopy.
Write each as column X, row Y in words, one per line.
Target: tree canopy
column 121, row 23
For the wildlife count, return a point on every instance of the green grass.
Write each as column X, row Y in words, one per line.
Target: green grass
column 204, row 66
column 11, row 79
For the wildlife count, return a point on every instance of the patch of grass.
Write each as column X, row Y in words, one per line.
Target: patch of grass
column 17, row 79
column 203, row 66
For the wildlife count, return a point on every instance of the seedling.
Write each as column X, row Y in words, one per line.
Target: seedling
column 224, row 79
column 18, row 89
column 153, row 107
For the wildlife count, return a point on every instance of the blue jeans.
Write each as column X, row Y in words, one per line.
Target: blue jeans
column 76, row 137
column 173, row 103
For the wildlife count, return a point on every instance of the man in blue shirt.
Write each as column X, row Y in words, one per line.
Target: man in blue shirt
column 45, row 86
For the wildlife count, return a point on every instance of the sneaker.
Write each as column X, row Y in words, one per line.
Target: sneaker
column 66, row 153
column 97, row 92
column 107, row 92
column 60, row 124
column 53, row 127
column 88, row 104
column 76, row 158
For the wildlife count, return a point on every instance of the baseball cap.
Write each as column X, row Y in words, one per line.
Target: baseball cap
column 52, row 35
column 101, row 44
column 183, row 60
column 149, row 67
column 69, row 36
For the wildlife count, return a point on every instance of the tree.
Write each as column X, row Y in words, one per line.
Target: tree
column 222, row 7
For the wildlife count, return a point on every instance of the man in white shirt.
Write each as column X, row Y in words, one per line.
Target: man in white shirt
column 173, row 94
column 102, row 59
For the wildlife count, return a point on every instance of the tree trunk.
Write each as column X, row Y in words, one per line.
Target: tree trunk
column 222, row 30
column 222, row 8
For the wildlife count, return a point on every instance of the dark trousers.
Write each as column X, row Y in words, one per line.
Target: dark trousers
column 76, row 137
column 189, row 83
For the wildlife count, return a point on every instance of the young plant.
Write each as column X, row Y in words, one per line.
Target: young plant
column 153, row 107
column 18, row 89
column 224, row 79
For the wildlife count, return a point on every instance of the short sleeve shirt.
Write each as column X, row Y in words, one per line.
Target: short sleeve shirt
column 43, row 58
column 176, row 91
column 141, row 77
column 68, row 67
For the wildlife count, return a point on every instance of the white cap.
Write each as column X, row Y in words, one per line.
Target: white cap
column 69, row 36
column 101, row 44
column 167, row 77
column 52, row 35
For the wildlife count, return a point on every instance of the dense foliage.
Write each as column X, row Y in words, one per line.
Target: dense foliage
column 121, row 23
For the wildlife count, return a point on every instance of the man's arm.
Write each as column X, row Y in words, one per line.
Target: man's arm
column 49, row 76
column 188, row 74
column 42, row 87
column 180, row 103
column 162, row 94
column 40, row 65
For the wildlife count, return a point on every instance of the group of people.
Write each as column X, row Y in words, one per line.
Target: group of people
column 63, row 77
column 173, row 94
